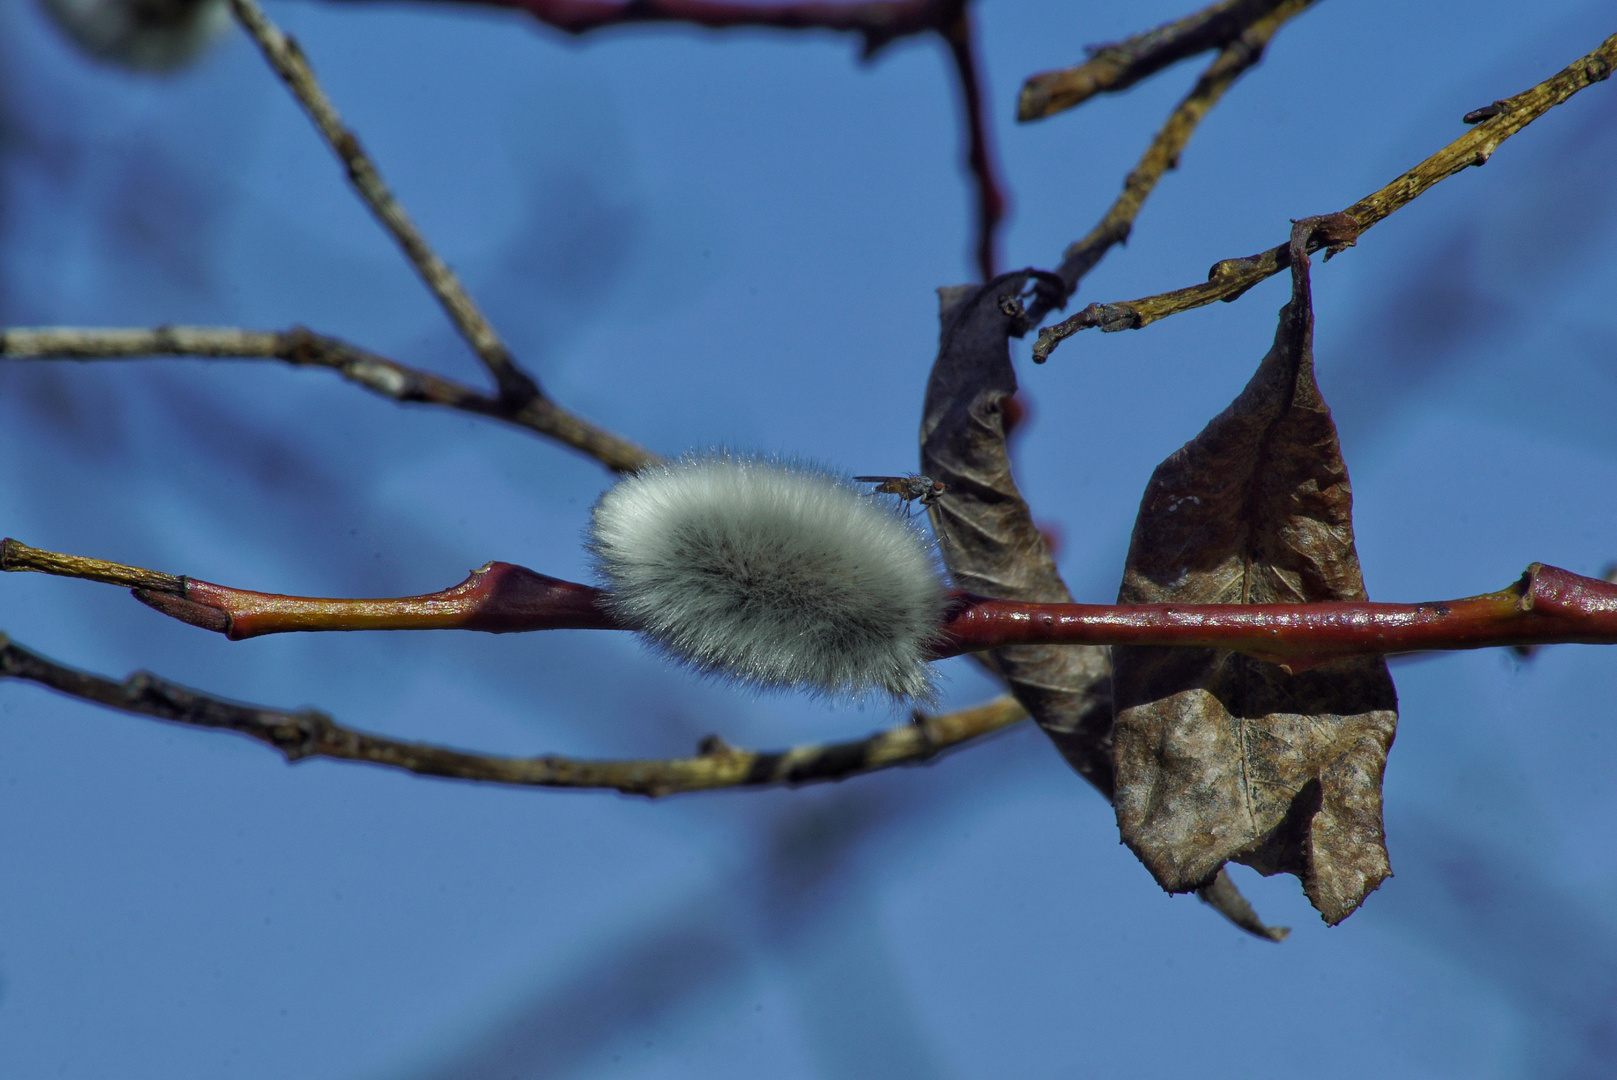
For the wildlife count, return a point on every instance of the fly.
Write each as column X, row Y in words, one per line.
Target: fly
column 909, row 489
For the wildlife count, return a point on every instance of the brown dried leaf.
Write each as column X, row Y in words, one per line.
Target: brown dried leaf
column 992, row 547
column 1220, row 756
column 986, row 533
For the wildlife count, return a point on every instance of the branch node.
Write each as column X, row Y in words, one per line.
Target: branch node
column 1487, row 112
column 137, row 689
column 922, row 723
column 305, row 738
column 713, row 746
column 177, row 606
column 1113, row 317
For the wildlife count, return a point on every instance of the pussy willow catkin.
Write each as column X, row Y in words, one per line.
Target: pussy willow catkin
column 148, row 35
column 773, row 573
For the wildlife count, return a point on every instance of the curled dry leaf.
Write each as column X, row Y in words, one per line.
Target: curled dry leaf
column 1220, row 756
column 988, row 538
column 991, row 545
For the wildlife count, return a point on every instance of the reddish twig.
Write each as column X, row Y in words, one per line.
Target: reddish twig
column 879, row 22
column 1547, row 606
column 497, row 598
column 1230, row 278
column 960, row 36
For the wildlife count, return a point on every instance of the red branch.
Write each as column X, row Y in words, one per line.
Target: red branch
column 979, row 153
column 498, row 598
column 1547, row 606
column 878, row 21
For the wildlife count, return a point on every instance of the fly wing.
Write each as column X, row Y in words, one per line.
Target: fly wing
column 885, row 485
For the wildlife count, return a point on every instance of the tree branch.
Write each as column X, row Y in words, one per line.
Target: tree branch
column 307, row 733
column 1546, row 606
column 515, row 385
column 1232, row 62
column 302, row 348
column 879, row 22
column 1229, row 278
column 959, row 35
column 1120, row 65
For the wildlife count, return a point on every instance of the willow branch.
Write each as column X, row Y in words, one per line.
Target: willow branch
column 1235, row 59
column 308, row 733
column 960, row 37
column 879, row 22
column 287, row 59
column 1547, row 606
column 1120, row 65
column 1229, row 278
column 301, row 348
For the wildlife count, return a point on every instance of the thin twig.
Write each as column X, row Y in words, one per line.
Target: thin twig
column 287, row 59
column 879, row 22
column 301, row 348
column 308, row 733
column 1229, row 278
column 1232, row 62
column 1120, row 65
column 960, row 36
column 1546, row 606
column 18, row 556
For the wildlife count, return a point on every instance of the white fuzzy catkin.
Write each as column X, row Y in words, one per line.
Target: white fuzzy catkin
column 772, row 573
column 148, row 35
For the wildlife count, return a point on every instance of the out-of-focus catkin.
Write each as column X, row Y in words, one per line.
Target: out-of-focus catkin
column 147, row 35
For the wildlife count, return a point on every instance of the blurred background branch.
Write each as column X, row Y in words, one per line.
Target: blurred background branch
column 286, row 58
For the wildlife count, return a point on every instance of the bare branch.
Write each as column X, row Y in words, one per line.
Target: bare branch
column 960, row 36
column 1163, row 154
column 1546, row 606
column 1118, row 66
column 302, row 348
column 283, row 54
column 307, row 733
column 1229, row 278
column 18, row 556
column 879, row 22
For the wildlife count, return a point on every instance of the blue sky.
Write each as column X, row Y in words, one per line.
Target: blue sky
column 701, row 239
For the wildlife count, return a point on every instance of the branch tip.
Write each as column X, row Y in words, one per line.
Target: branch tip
column 17, row 556
column 1230, row 278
